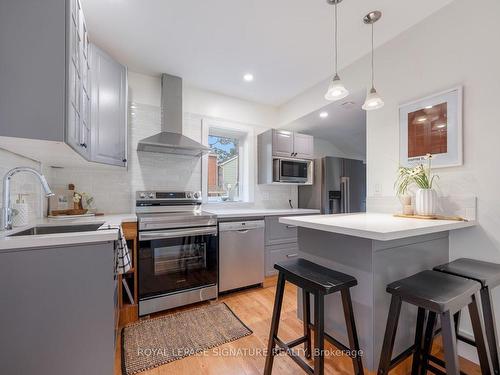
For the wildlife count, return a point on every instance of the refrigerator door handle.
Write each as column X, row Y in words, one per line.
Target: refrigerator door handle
column 344, row 191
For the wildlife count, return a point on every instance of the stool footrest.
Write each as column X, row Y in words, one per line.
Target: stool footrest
column 293, row 343
column 402, row 356
column 439, row 362
column 284, row 347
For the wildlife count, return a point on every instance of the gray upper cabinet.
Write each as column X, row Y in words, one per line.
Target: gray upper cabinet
column 282, row 143
column 78, row 82
column 289, row 144
column 109, row 109
column 46, row 87
column 303, row 146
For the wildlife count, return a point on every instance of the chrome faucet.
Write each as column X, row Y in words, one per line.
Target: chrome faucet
column 6, row 209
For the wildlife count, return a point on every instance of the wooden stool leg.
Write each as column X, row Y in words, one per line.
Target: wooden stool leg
column 390, row 335
column 479, row 337
column 278, row 301
column 490, row 327
column 428, row 339
column 418, row 341
column 306, row 318
column 319, row 336
column 449, row 344
column 351, row 331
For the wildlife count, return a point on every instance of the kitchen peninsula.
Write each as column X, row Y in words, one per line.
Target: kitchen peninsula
column 376, row 249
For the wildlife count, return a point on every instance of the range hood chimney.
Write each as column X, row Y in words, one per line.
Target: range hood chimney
column 171, row 140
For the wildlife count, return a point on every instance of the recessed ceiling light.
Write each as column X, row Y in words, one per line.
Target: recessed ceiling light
column 323, row 114
column 248, row 77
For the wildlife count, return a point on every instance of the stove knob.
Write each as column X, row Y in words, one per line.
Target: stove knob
column 142, row 195
column 189, row 195
column 197, row 195
column 151, row 195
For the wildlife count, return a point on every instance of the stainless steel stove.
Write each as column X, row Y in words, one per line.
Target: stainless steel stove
column 178, row 250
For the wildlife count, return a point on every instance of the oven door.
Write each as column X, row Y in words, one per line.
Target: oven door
column 293, row 170
column 176, row 259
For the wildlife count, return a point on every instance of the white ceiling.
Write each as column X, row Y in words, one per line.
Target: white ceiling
column 345, row 126
column 286, row 44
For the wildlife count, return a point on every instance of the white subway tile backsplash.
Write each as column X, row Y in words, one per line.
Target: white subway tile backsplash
column 114, row 188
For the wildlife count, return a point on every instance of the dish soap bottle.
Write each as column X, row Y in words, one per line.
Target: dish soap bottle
column 20, row 211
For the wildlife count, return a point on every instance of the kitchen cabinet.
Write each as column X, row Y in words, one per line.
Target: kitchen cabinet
column 281, row 243
column 292, row 145
column 109, row 109
column 282, row 143
column 59, row 305
column 303, row 146
column 78, row 85
column 46, row 88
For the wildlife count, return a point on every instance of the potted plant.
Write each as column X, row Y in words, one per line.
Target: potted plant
column 426, row 198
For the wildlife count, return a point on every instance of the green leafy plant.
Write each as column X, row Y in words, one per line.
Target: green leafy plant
column 420, row 175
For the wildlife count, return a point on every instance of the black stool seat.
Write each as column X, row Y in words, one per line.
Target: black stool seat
column 435, row 291
column 488, row 274
column 312, row 276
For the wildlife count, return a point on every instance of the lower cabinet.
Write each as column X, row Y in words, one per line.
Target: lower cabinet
column 279, row 253
column 281, row 243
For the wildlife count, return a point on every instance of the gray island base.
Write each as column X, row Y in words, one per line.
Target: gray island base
column 374, row 264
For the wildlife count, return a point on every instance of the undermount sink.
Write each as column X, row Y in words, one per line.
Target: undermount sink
column 57, row 229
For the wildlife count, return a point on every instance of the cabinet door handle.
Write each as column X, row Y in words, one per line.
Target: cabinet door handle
column 291, row 226
column 124, row 160
column 292, row 255
column 84, row 145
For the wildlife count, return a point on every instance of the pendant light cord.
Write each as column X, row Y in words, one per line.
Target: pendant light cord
column 336, row 38
column 373, row 70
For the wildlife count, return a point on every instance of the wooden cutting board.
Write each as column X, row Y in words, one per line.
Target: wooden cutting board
column 432, row 217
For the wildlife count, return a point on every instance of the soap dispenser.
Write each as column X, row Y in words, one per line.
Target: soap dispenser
column 20, row 211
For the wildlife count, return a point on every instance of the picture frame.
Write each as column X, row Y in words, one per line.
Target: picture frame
column 432, row 125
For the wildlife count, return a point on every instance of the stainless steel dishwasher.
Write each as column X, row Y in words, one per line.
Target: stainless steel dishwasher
column 241, row 254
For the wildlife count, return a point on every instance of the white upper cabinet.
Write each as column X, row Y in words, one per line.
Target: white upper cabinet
column 109, row 109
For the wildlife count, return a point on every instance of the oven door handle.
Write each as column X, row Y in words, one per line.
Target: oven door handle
column 157, row 235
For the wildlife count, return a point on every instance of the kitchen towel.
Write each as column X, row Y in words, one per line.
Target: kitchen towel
column 122, row 254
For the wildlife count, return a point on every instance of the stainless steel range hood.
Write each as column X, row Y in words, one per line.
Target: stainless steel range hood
column 171, row 140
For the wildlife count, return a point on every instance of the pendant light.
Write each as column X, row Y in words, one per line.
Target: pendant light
column 373, row 99
column 336, row 89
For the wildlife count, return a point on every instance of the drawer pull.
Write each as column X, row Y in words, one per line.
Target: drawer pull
column 291, row 226
column 292, row 255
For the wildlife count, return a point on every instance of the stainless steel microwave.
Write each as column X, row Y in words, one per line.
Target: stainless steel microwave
column 296, row 171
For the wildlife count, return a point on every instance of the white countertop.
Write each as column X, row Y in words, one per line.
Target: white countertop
column 235, row 212
column 381, row 227
column 60, row 239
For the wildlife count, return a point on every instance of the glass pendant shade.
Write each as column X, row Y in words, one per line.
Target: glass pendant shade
column 336, row 90
column 373, row 101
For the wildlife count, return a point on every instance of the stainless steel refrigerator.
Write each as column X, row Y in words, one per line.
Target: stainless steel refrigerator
column 339, row 186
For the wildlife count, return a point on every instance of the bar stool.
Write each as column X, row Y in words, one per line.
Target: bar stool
column 488, row 274
column 318, row 281
column 434, row 293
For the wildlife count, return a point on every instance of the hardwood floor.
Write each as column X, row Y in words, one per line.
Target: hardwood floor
column 254, row 307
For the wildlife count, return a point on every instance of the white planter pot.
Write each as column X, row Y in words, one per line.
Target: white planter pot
column 426, row 202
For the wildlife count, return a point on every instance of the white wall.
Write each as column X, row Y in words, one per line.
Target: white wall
column 457, row 45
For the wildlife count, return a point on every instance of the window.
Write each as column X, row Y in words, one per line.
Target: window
column 228, row 171
column 223, row 168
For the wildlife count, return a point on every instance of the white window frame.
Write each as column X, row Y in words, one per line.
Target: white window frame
column 246, row 153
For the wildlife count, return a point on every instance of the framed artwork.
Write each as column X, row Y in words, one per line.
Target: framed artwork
column 432, row 125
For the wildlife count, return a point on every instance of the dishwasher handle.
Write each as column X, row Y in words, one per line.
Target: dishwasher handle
column 241, row 226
